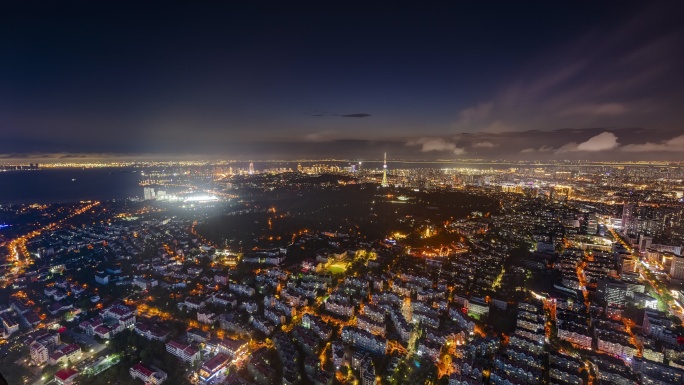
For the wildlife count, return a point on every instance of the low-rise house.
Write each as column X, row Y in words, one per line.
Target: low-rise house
column 148, row 376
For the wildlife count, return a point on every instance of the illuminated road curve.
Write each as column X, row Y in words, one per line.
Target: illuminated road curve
column 17, row 246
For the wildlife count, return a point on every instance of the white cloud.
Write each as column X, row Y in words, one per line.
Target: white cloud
column 602, row 142
column 484, row 144
column 597, row 80
column 604, row 109
column 497, row 127
column 477, row 113
column 436, row 144
column 675, row 144
column 540, row 149
column 322, row 136
column 568, row 147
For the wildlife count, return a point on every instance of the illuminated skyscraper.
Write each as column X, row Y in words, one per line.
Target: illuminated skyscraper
column 592, row 224
column 251, row 168
column 677, row 269
column 384, row 172
column 148, row 193
column 627, row 217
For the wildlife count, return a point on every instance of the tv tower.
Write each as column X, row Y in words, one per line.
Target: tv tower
column 384, row 172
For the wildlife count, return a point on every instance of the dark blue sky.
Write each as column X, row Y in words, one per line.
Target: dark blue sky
column 345, row 79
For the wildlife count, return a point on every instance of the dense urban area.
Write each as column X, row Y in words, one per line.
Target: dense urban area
column 328, row 273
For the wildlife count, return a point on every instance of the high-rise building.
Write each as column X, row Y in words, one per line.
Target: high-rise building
column 612, row 292
column 627, row 264
column 592, row 224
column 644, row 242
column 148, row 193
column 251, row 168
column 677, row 269
column 627, row 217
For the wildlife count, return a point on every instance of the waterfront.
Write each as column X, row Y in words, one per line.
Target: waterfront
column 63, row 185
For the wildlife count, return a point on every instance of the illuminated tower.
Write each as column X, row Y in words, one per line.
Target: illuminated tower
column 384, row 172
column 251, row 168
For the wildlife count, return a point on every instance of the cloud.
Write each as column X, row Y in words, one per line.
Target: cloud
column 569, row 147
column 540, row 149
column 498, row 127
column 479, row 118
column 325, row 143
column 485, row 145
column 602, row 142
column 602, row 78
column 539, row 84
column 476, row 113
column 73, row 156
column 361, row 115
column 604, row 109
column 543, row 148
column 322, row 136
column 436, row 144
column 675, row 144
column 322, row 113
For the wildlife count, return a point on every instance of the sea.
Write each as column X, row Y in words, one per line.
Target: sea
column 68, row 185
column 64, row 185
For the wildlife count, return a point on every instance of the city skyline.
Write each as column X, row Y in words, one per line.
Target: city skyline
column 327, row 273
column 531, row 81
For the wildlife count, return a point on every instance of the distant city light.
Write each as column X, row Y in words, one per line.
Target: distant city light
column 202, row 198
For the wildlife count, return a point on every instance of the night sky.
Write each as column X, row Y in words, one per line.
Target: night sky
column 288, row 80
